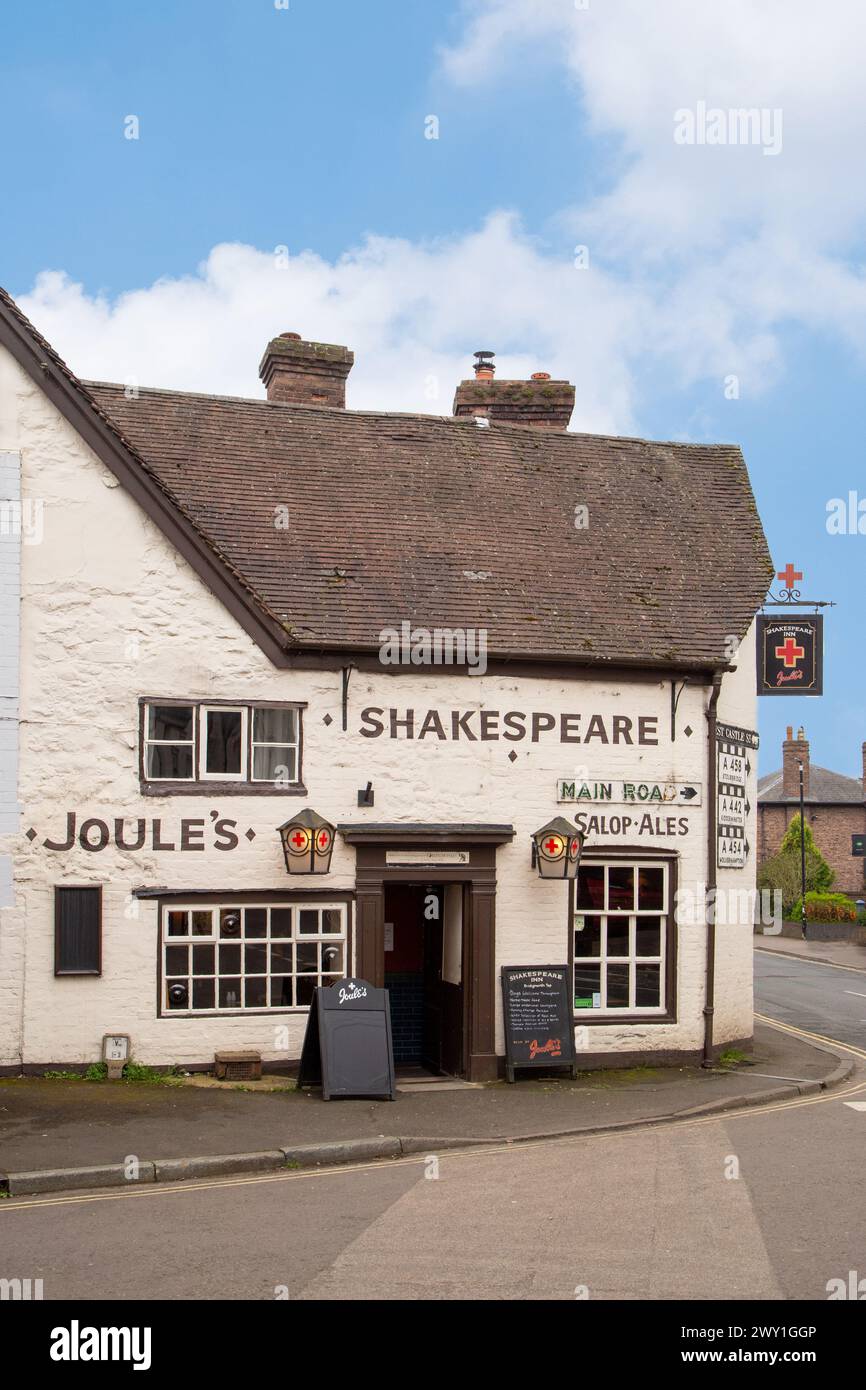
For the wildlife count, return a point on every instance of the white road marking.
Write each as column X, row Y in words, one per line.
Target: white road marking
column 807, row 960
column 856, row 992
column 856, row 1104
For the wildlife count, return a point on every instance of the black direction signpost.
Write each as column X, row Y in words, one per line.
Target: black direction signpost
column 734, row 751
column 347, row 1046
column 539, row 1031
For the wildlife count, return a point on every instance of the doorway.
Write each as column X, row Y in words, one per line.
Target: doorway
column 424, row 975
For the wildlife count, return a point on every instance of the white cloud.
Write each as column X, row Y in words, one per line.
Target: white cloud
column 755, row 239
column 700, row 256
column 412, row 313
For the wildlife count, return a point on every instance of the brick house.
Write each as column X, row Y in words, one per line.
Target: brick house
column 835, row 810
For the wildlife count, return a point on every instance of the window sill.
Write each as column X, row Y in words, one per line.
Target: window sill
column 594, row 1016
column 299, row 1009
column 216, row 788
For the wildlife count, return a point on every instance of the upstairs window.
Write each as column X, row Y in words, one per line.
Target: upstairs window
column 229, row 747
column 275, row 745
column 223, row 742
column 170, row 745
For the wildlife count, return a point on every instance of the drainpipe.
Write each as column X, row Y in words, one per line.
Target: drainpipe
column 712, row 834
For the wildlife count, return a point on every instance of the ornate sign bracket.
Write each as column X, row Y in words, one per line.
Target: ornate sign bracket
column 790, row 595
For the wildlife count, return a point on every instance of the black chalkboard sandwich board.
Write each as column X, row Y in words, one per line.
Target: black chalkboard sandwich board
column 347, row 1046
column 539, row 1031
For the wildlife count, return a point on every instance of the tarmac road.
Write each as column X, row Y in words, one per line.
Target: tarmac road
column 768, row 1203
column 825, row 999
column 656, row 1213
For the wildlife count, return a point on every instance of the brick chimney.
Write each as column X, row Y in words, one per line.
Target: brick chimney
column 794, row 752
column 539, row 401
column 301, row 373
column 864, row 780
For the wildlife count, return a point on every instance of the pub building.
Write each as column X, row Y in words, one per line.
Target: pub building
column 292, row 693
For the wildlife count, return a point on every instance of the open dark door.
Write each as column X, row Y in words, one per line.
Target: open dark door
column 451, row 979
column 432, row 1047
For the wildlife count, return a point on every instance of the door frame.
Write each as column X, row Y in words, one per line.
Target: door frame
column 372, row 872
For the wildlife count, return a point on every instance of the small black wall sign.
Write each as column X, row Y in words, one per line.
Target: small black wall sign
column 539, row 1031
column 858, row 846
column 791, row 654
column 347, row 1046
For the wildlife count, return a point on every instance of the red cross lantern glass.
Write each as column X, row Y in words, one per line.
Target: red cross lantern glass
column 556, row 849
column 308, row 841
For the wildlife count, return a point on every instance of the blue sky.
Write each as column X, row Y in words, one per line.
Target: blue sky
column 305, row 128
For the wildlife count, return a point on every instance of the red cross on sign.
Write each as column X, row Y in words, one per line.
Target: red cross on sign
column 789, row 654
column 300, row 839
column 323, row 839
column 554, row 846
column 789, row 577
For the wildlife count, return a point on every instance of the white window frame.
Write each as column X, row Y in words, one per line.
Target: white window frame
column 169, row 742
column 255, row 743
column 204, row 712
column 201, row 711
column 216, row 907
column 631, row 960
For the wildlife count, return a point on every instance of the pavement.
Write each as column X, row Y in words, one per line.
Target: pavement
column 762, row 1203
column 844, row 953
column 74, row 1134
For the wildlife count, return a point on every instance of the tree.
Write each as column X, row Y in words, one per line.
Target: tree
column 783, row 870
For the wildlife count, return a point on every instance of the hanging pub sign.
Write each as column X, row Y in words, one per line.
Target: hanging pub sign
column 791, row 654
column 538, row 1020
column 347, row 1046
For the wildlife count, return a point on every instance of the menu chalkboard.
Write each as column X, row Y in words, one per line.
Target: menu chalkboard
column 347, row 1046
column 538, row 1024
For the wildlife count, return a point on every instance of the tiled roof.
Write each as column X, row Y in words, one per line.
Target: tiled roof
column 826, row 786
column 441, row 523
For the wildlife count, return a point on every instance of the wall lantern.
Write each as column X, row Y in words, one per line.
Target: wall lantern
column 308, row 841
column 556, row 849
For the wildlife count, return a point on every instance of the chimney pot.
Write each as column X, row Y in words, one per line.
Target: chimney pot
column 298, row 372
column 541, row 376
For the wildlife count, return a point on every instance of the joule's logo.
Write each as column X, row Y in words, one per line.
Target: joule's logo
column 353, row 992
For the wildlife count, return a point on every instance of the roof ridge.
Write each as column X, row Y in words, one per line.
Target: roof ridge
column 463, row 422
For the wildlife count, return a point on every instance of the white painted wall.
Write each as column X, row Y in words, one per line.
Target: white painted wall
column 112, row 612
column 10, row 614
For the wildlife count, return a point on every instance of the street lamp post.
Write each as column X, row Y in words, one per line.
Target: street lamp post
column 802, row 854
